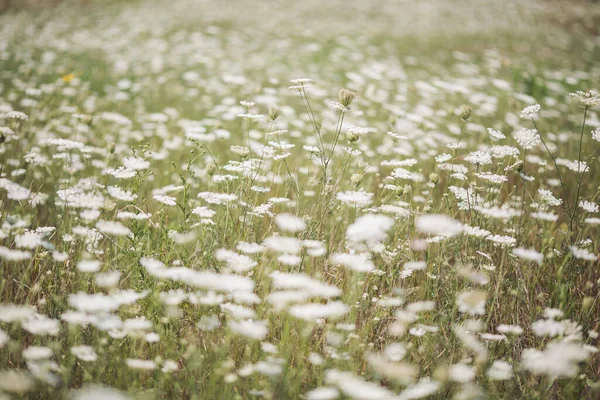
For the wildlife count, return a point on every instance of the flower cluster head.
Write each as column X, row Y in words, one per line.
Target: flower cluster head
column 250, row 117
column 527, row 138
column 5, row 133
column 530, row 111
column 495, row 135
column 588, row 99
column 479, row 158
column 17, row 116
column 300, row 83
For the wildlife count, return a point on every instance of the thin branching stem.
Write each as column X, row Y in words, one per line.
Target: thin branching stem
column 337, row 136
column 562, row 183
column 580, row 172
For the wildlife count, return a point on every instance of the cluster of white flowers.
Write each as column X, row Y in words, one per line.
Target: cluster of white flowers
column 153, row 221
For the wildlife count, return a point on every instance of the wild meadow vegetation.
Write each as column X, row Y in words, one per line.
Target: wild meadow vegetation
column 246, row 200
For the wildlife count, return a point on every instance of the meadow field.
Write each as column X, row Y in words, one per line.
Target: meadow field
column 299, row 200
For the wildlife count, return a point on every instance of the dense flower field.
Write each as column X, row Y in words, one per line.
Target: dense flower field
column 215, row 200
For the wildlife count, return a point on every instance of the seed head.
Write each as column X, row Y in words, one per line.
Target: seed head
column 346, row 97
column 352, row 136
column 434, row 178
column 211, row 169
column 274, row 113
column 465, row 112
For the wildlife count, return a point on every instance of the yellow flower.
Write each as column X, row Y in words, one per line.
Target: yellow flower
column 68, row 78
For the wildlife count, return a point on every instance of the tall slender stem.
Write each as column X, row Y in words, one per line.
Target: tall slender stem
column 522, row 195
column 311, row 116
column 337, row 136
column 262, row 155
column 462, row 128
column 562, row 184
column 580, row 172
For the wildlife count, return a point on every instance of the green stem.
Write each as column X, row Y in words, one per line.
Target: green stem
column 462, row 128
column 579, row 177
column 337, row 136
column 522, row 196
column 311, row 116
column 562, row 185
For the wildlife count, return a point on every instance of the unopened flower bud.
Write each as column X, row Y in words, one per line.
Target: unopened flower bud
column 346, row 97
column 465, row 112
column 274, row 113
column 352, row 136
column 434, row 178
column 112, row 147
column 211, row 169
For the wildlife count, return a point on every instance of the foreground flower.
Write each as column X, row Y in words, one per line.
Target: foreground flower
column 558, row 360
column 438, row 224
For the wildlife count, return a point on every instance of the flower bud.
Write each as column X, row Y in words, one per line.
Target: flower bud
column 465, row 112
column 346, row 97
column 352, row 136
column 274, row 113
column 434, row 178
column 112, row 147
column 211, row 169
